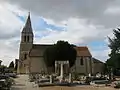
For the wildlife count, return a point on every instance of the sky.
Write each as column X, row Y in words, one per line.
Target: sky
column 80, row 22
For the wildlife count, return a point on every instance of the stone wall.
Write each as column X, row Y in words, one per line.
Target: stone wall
column 37, row 65
column 98, row 67
column 84, row 68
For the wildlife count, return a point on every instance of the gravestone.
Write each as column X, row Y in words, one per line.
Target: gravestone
column 89, row 75
column 70, row 78
column 51, row 79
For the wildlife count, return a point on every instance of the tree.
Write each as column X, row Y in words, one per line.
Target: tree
column 11, row 65
column 2, row 69
column 114, row 57
column 62, row 50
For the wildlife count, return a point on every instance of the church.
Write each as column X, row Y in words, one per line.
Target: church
column 31, row 58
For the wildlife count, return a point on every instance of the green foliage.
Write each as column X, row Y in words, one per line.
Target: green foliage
column 75, row 76
column 62, row 50
column 88, row 80
column 3, row 69
column 114, row 60
column 48, row 56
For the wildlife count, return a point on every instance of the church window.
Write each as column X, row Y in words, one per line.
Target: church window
column 25, row 56
column 81, row 61
column 24, row 38
column 28, row 38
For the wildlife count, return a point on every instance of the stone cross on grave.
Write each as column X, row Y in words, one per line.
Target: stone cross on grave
column 61, row 63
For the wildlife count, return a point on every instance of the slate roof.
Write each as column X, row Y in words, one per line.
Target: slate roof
column 38, row 50
column 96, row 60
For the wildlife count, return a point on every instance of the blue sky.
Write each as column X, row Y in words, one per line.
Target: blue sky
column 98, row 45
column 39, row 23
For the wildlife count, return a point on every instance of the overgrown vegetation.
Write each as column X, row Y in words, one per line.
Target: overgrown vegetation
column 114, row 57
column 62, row 50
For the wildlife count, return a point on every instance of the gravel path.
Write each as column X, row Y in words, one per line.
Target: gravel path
column 78, row 88
column 22, row 83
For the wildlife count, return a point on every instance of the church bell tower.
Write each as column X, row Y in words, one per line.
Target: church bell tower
column 26, row 43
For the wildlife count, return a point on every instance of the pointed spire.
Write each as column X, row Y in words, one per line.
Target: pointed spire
column 28, row 26
column 28, row 22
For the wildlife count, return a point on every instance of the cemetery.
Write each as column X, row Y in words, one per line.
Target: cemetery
column 62, row 77
column 59, row 79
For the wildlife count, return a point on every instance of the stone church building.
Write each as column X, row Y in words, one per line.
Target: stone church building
column 31, row 58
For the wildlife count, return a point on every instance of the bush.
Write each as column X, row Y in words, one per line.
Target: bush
column 88, row 80
column 75, row 76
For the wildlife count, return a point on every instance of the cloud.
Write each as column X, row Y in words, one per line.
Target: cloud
column 10, row 27
column 9, row 24
column 113, row 11
column 8, row 50
column 59, row 10
column 78, row 31
column 79, row 22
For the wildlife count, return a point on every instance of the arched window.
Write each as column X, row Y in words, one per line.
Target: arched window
column 24, row 38
column 81, row 61
column 28, row 38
